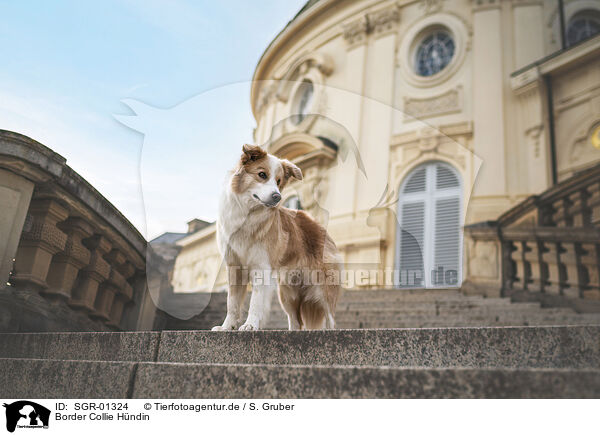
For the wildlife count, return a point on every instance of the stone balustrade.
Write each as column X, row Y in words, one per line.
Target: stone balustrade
column 546, row 248
column 71, row 260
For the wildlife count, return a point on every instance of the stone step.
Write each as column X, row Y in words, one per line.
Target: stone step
column 54, row 379
column 424, row 307
column 454, row 323
column 212, row 306
column 177, row 380
column 478, row 312
column 519, row 316
column 402, row 293
column 451, row 323
column 551, row 347
column 446, row 310
column 464, row 303
column 408, row 309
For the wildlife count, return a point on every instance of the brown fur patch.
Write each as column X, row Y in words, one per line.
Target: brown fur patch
column 291, row 170
column 252, row 153
column 294, row 241
column 252, row 161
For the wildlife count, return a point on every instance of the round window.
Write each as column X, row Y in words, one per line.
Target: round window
column 434, row 53
column 582, row 26
column 302, row 101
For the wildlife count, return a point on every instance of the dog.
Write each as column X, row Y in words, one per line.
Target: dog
column 258, row 237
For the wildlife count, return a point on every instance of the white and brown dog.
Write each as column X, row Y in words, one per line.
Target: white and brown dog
column 257, row 236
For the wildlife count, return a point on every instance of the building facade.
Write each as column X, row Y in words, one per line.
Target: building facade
column 69, row 260
column 412, row 119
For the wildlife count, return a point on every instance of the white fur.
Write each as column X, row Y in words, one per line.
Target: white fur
column 240, row 216
column 241, row 225
column 265, row 190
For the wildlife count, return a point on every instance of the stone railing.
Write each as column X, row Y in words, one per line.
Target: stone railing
column 69, row 260
column 547, row 248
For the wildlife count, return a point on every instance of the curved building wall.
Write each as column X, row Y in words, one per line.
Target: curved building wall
column 360, row 93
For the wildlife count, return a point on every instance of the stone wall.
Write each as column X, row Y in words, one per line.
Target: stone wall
column 544, row 249
column 69, row 260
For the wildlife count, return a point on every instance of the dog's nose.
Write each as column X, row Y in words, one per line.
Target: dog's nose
column 276, row 197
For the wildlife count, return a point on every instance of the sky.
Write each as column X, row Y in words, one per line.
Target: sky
column 147, row 99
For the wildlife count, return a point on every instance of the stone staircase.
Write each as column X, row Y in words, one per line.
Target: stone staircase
column 441, row 344
column 499, row 362
column 406, row 309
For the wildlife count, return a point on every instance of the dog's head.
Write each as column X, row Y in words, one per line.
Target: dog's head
column 260, row 177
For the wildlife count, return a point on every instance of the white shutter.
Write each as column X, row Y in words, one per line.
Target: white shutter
column 445, row 178
column 447, row 237
column 412, row 232
column 416, row 182
column 429, row 216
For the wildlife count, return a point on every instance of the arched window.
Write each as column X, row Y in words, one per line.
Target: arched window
column 429, row 235
column 583, row 25
column 302, row 102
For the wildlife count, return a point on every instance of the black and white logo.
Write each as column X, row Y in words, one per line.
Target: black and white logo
column 26, row 414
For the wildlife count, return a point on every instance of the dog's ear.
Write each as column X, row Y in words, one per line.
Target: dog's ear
column 291, row 170
column 252, row 153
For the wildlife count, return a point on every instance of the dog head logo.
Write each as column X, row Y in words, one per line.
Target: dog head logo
column 26, row 414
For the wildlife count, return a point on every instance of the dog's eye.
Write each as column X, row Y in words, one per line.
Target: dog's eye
column 262, row 175
column 278, row 181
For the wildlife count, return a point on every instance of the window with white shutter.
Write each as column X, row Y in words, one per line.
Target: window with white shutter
column 429, row 247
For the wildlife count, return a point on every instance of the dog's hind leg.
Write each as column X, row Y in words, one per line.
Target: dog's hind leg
column 329, row 320
column 313, row 314
column 291, row 305
column 331, row 296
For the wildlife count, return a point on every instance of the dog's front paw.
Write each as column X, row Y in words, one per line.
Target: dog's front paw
column 230, row 324
column 248, row 327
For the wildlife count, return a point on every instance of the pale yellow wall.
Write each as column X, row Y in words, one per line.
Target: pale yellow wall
column 577, row 113
column 472, row 115
column 198, row 265
column 15, row 194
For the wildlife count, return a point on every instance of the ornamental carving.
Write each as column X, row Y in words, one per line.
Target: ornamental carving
column 447, row 102
column 380, row 21
column 356, row 31
column 431, row 6
column 383, row 20
column 485, row 4
column 534, row 135
column 267, row 93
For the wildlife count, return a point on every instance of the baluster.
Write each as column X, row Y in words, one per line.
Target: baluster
column 538, row 269
column 106, row 292
column 123, row 296
column 90, row 277
column 590, row 261
column 66, row 265
column 522, row 265
column 40, row 241
column 560, row 217
column 509, row 270
column 575, row 273
column 593, row 202
column 578, row 211
column 557, row 273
